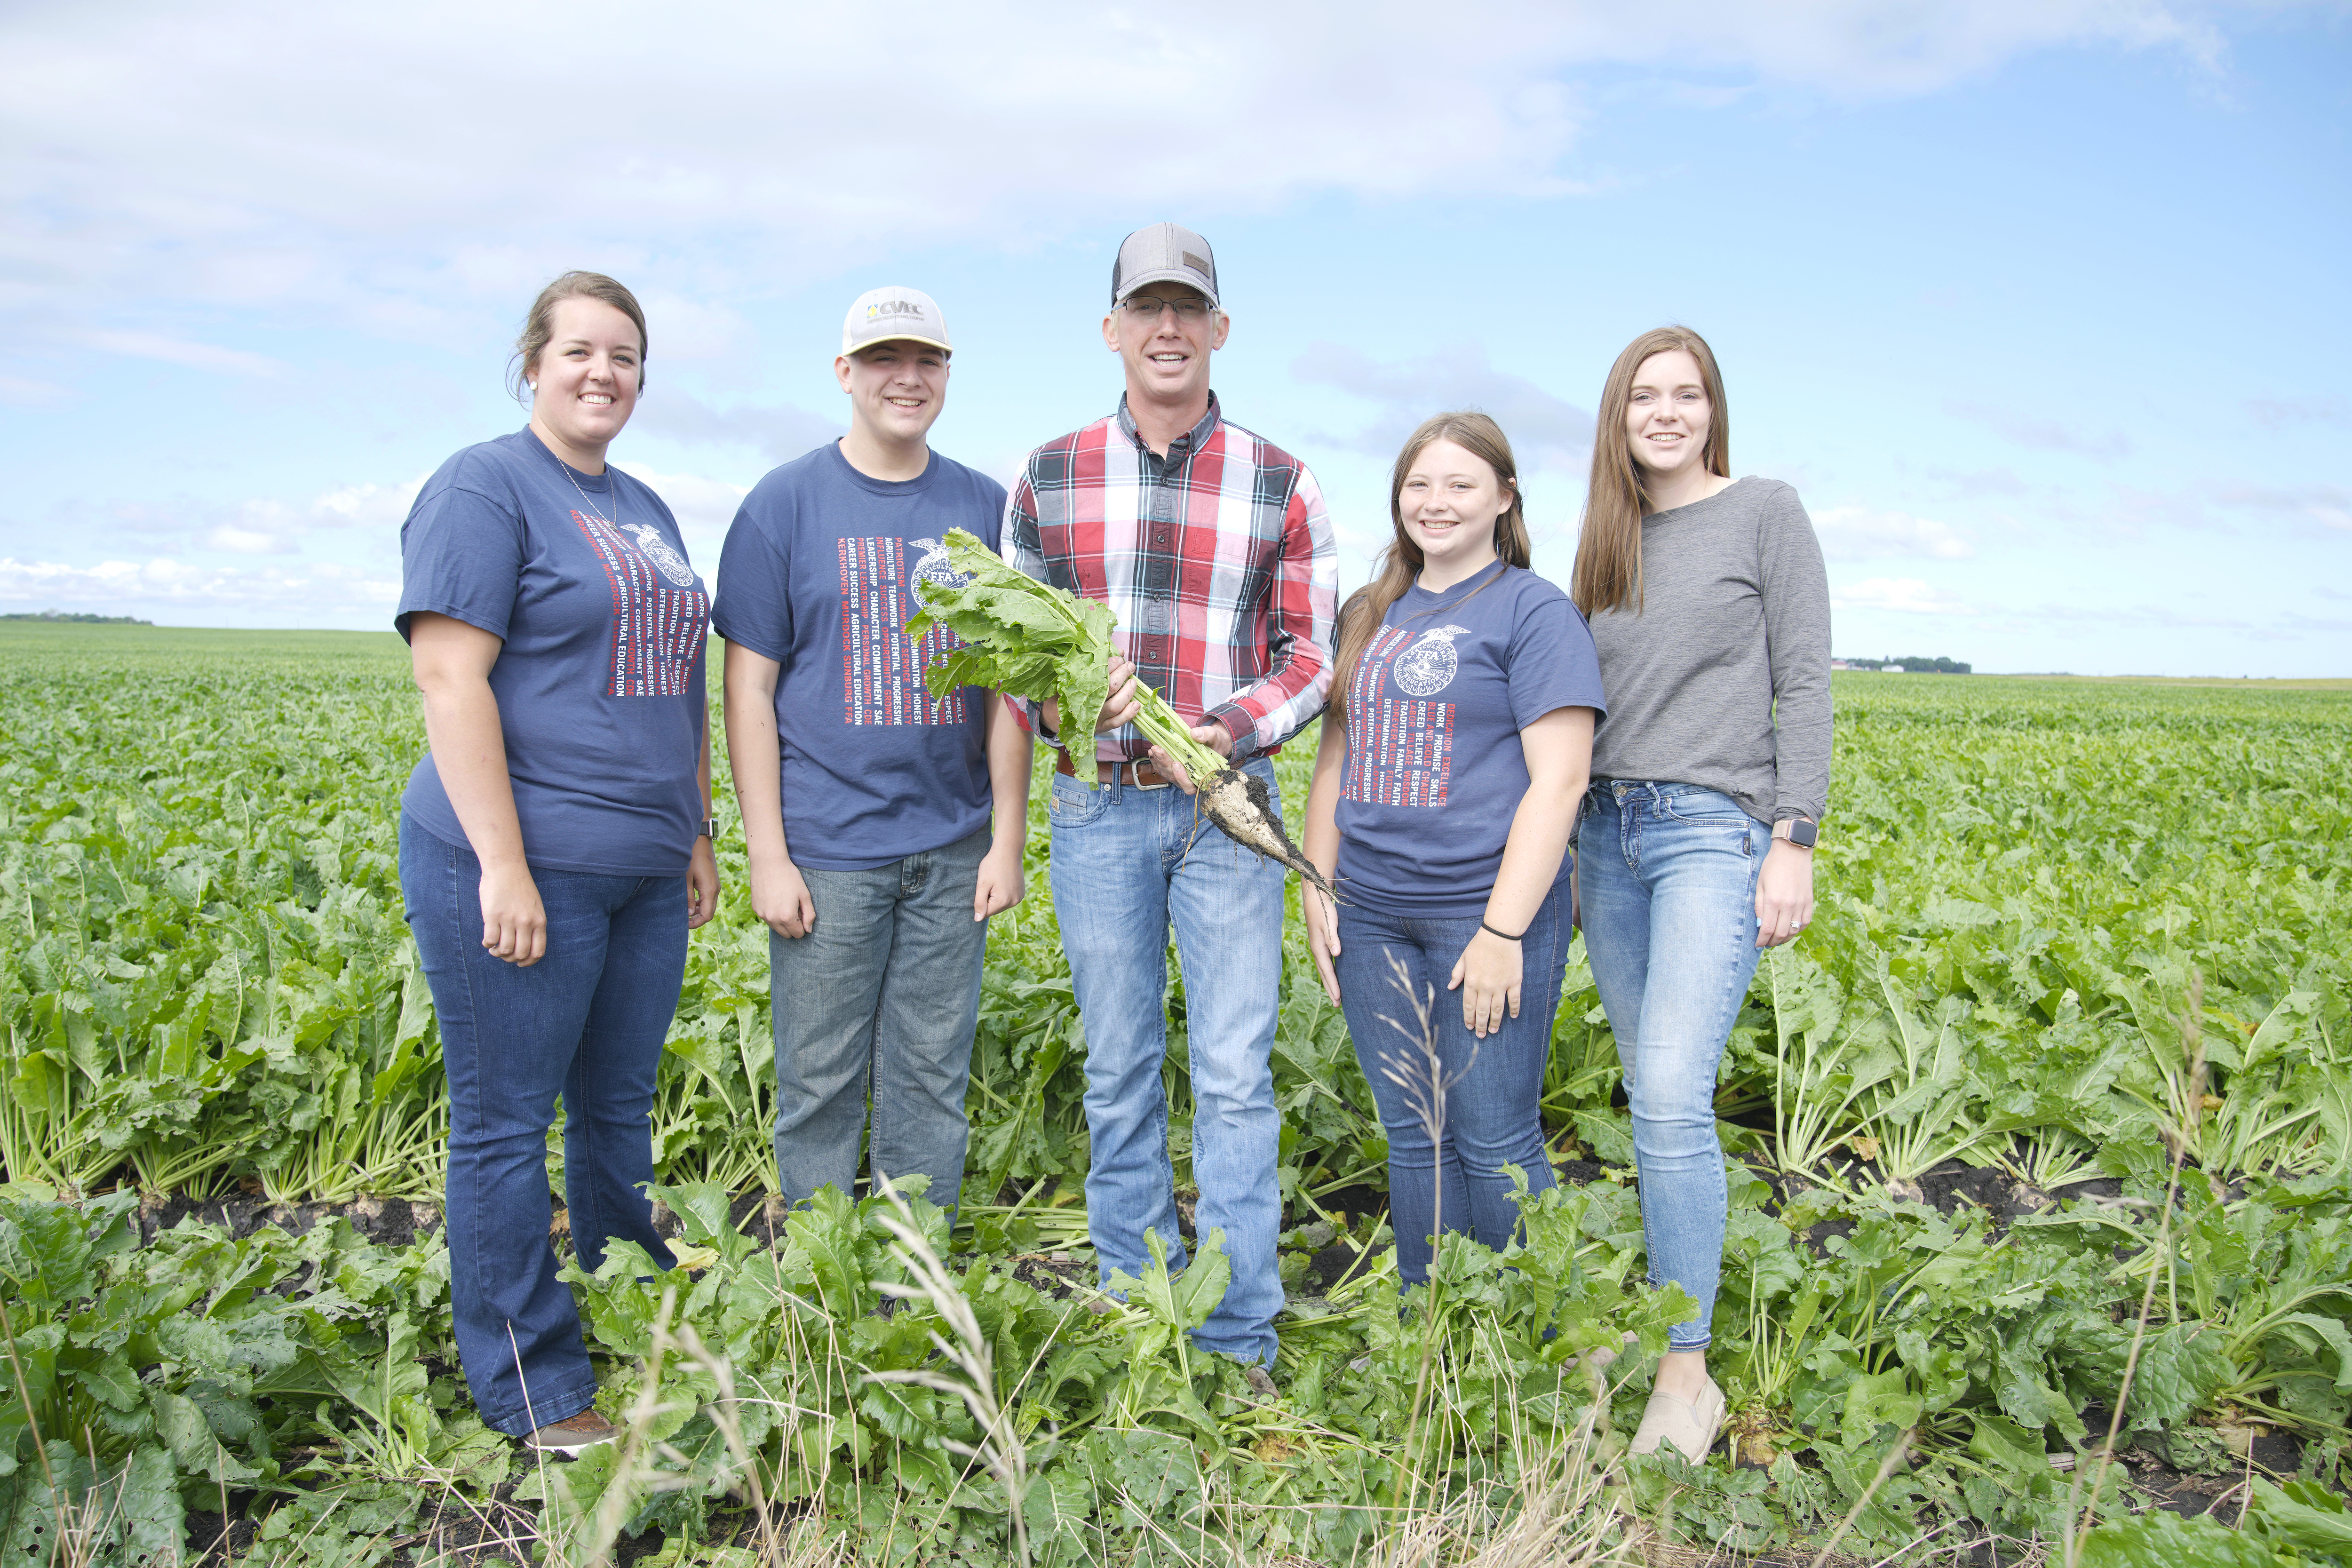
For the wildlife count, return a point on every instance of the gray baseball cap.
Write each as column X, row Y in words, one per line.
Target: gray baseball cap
column 892, row 313
column 1164, row 253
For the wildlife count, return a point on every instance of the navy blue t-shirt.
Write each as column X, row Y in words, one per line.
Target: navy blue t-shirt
column 1434, row 709
column 599, row 682
column 818, row 573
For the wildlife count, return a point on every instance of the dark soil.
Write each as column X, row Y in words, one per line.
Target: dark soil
column 1951, row 1188
column 1348, row 1204
column 1056, row 1274
column 388, row 1222
column 205, row 1545
column 496, row 1530
column 1341, row 1261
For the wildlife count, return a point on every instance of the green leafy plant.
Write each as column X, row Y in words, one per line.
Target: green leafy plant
column 1031, row 639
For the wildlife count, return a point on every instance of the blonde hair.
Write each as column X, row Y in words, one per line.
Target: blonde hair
column 1609, row 546
column 1401, row 562
column 539, row 325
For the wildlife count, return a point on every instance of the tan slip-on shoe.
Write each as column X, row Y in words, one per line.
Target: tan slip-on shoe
column 573, row 1435
column 1692, row 1426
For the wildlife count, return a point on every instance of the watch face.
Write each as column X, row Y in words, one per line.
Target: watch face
column 1803, row 834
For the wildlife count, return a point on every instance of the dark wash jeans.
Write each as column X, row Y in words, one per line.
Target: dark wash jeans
column 1493, row 1115
column 587, row 1020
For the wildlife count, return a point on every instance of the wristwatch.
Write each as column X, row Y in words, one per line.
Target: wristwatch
column 1804, row 835
column 710, row 829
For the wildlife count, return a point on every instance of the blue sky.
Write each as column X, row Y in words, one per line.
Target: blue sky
column 2039, row 306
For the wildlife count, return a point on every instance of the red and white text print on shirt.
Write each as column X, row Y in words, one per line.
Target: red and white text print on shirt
column 882, row 667
column 659, row 624
column 1400, row 751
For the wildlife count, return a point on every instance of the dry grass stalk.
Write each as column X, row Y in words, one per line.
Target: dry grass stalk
column 1559, row 1516
column 1420, row 1074
column 1000, row 1450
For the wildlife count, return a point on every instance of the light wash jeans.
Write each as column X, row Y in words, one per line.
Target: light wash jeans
column 1493, row 1115
column 1126, row 863
column 586, row 1021
column 1668, row 874
column 880, row 1000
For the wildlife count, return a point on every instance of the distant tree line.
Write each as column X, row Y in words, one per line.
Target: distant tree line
column 1911, row 663
column 78, row 617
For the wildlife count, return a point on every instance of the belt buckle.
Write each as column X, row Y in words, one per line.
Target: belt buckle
column 1135, row 773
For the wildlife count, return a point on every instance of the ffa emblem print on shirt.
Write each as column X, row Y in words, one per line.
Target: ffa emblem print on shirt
column 659, row 617
column 1429, row 665
column 667, row 561
column 932, row 566
column 882, row 667
column 1401, row 750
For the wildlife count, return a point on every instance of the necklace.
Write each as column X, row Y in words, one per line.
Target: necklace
column 565, row 469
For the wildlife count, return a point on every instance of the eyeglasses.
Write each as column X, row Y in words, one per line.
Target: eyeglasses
column 1148, row 308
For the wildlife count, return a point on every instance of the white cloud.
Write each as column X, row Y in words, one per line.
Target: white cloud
column 366, row 506
column 2291, row 410
column 25, row 393
column 2329, row 506
column 1907, row 595
column 1543, row 429
column 1863, row 534
column 778, row 433
column 309, row 595
column 703, row 509
column 265, row 526
column 238, row 540
column 176, row 350
column 2046, row 435
column 691, row 329
column 382, row 164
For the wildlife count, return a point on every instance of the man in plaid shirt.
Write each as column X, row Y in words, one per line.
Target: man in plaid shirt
column 1213, row 548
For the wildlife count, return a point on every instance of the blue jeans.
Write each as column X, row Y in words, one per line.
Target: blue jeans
column 1126, row 863
column 1492, row 1115
column 1668, row 874
column 879, row 999
column 587, row 1020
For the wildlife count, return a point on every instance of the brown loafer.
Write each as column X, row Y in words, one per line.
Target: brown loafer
column 1692, row 1426
column 579, row 1432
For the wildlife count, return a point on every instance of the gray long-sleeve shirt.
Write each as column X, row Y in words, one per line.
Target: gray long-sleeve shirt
column 1734, row 632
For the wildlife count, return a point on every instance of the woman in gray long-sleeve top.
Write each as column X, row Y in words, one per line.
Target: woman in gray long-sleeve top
column 1709, row 607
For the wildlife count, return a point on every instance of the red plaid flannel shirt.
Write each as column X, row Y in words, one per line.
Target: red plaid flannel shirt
column 1218, row 561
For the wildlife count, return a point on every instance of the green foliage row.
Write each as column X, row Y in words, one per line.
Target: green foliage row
column 206, row 983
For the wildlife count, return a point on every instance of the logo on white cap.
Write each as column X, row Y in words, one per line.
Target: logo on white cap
column 893, row 314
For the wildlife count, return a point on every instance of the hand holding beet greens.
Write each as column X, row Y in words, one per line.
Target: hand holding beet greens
column 1032, row 639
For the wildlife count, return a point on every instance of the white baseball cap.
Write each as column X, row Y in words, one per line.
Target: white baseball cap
column 891, row 314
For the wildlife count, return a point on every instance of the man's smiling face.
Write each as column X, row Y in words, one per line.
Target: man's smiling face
column 1164, row 332
column 896, row 388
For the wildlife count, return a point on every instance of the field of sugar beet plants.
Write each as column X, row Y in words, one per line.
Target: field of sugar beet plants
column 2053, row 1105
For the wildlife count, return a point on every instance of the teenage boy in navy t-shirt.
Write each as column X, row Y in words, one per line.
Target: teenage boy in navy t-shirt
column 885, row 824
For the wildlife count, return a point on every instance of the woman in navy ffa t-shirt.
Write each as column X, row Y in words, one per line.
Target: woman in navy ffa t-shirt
column 554, row 845
column 1459, row 736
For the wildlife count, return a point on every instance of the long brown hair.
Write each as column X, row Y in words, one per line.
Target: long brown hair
column 1609, row 547
column 1401, row 562
column 539, row 325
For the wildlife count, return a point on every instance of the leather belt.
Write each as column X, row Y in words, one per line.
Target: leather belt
column 1141, row 774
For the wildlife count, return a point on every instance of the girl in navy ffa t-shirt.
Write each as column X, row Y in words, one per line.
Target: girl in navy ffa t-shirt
column 1451, row 760
column 554, row 850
